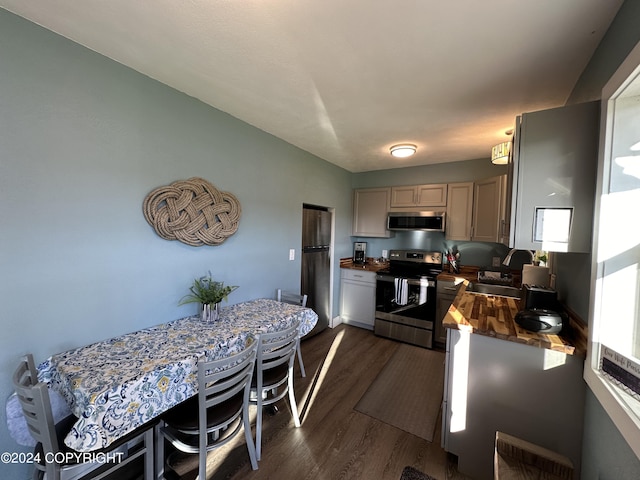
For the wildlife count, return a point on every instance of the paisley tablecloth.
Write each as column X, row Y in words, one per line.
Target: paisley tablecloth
column 117, row 385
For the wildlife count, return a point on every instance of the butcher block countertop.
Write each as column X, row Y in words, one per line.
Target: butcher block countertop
column 471, row 273
column 493, row 316
column 371, row 265
column 465, row 273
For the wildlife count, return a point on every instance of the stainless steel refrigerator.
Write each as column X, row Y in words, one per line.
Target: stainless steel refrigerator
column 316, row 250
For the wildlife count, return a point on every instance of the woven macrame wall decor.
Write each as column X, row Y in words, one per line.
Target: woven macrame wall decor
column 192, row 211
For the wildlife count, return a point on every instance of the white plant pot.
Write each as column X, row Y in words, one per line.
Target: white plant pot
column 210, row 312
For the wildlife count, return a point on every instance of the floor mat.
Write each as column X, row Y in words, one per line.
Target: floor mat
column 407, row 393
column 410, row 473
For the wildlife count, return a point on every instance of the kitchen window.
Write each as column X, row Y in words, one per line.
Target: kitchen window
column 613, row 368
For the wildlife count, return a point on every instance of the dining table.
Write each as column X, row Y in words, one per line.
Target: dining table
column 117, row 385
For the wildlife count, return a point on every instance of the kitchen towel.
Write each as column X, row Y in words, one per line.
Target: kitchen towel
column 424, row 283
column 402, row 291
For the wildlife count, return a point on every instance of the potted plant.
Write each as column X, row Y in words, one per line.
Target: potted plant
column 209, row 293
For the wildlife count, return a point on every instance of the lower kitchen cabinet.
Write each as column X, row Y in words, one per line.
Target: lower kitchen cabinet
column 358, row 297
column 493, row 385
column 445, row 293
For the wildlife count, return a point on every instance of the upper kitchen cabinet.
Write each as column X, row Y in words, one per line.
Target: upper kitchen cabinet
column 459, row 211
column 476, row 211
column 489, row 208
column 412, row 197
column 554, row 175
column 370, row 208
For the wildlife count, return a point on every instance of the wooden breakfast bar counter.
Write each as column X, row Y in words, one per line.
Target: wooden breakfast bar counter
column 500, row 377
column 493, row 316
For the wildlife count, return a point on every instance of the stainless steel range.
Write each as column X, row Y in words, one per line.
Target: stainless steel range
column 406, row 297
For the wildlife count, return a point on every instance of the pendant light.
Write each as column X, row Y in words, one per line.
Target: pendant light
column 500, row 153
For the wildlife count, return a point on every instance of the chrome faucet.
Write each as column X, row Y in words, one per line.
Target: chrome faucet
column 507, row 259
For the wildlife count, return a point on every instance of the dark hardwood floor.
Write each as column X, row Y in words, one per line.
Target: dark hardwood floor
column 334, row 441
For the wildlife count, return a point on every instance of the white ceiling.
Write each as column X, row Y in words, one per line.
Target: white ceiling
column 346, row 79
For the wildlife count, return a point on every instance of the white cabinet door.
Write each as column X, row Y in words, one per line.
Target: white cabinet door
column 477, row 211
column 555, row 161
column 459, row 211
column 488, row 206
column 403, row 196
column 415, row 197
column 370, row 208
column 357, row 298
column 432, row 195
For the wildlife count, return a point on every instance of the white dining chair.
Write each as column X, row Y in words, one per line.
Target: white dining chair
column 273, row 376
column 53, row 461
column 215, row 415
column 294, row 299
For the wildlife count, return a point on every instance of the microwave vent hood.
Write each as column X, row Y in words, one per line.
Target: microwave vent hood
column 424, row 221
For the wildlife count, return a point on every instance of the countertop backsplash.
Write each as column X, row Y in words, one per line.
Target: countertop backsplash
column 478, row 254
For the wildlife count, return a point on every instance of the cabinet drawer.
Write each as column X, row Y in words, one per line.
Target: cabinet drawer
column 358, row 275
column 446, row 289
column 448, row 292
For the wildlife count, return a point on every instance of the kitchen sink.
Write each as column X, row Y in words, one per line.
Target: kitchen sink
column 490, row 289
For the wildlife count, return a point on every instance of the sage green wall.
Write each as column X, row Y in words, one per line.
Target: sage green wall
column 83, row 139
column 623, row 34
column 606, row 455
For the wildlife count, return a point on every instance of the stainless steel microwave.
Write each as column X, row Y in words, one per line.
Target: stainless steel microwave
column 425, row 221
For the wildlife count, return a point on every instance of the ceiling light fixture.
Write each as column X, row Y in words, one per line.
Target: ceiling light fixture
column 403, row 150
column 500, row 153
